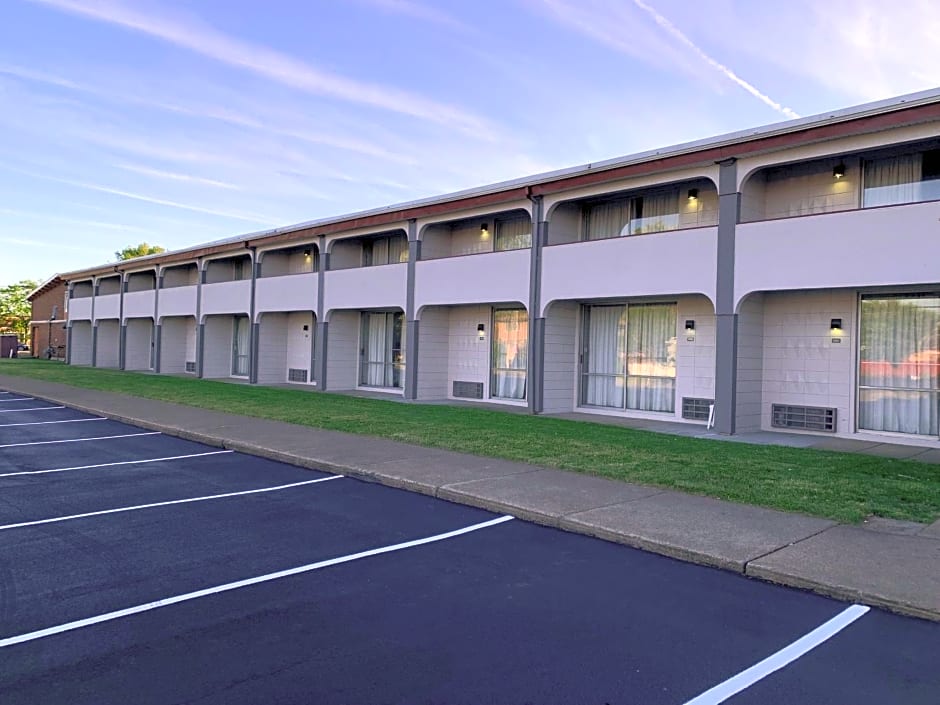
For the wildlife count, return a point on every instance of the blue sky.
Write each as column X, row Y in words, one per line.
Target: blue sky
column 182, row 121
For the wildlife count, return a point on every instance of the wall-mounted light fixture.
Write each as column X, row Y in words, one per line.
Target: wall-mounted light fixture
column 690, row 330
column 835, row 330
column 307, row 253
column 481, row 331
column 693, row 195
column 485, row 231
column 838, row 171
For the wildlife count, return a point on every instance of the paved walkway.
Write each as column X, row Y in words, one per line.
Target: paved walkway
column 886, row 563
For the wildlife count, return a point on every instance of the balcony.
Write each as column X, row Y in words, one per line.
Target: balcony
column 473, row 279
column 890, row 245
column 80, row 309
column 107, row 306
column 367, row 287
column 293, row 292
column 655, row 264
column 139, row 304
column 178, row 301
column 226, row 297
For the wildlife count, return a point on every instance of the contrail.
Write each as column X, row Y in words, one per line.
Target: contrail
column 731, row 75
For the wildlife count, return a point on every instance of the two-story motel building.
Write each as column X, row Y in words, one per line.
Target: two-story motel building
column 786, row 277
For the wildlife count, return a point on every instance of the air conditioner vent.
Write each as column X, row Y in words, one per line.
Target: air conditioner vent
column 807, row 418
column 696, row 409
column 190, row 366
column 295, row 375
column 468, row 390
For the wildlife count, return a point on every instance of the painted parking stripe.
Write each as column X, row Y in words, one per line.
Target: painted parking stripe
column 10, row 401
column 168, row 503
column 176, row 599
column 35, row 408
column 46, row 423
column 80, row 440
column 123, row 462
column 785, row 656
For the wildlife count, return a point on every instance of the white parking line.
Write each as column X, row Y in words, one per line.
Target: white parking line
column 168, row 503
column 10, row 401
column 167, row 601
column 108, row 465
column 80, row 440
column 36, row 408
column 46, row 423
column 785, row 656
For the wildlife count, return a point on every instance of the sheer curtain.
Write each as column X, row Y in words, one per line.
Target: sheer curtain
column 374, row 331
column 656, row 212
column 510, row 353
column 607, row 220
column 240, row 340
column 899, row 365
column 651, row 357
column 893, row 180
column 603, row 381
column 513, row 234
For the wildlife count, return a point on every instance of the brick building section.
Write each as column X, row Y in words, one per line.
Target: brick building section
column 47, row 299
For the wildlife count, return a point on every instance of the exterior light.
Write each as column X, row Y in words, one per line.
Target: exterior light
column 481, row 331
column 307, row 252
column 835, row 330
column 485, row 231
column 838, row 171
column 693, row 194
column 690, row 330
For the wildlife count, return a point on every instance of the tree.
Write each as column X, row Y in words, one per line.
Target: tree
column 15, row 310
column 141, row 250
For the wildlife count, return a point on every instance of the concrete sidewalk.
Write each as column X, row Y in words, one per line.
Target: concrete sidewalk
column 885, row 563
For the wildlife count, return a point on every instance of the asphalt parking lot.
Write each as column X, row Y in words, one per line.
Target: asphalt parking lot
column 141, row 568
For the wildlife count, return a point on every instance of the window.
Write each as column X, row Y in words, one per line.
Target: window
column 906, row 178
column 628, row 358
column 384, row 250
column 241, row 337
column 899, row 365
column 513, row 234
column 654, row 212
column 241, row 269
column 510, row 353
column 381, row 353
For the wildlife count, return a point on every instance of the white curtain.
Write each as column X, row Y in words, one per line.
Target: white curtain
column 607, row 220
column 380, row 251
column 397, row 250
column 514, row 234
column 893, row 180
column 651, row 357
column 374, row 330
column 240, row 346
column 510, row 353
column 899, row 365
column 605, row 356
column 655, row 213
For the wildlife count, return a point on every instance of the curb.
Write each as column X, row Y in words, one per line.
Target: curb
column 555, row 521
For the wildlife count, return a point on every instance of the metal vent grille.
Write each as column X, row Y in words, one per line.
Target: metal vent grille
column 468, row 390
column 696, row 409
column 295, row 375
column 190, row 366
column 809, row 418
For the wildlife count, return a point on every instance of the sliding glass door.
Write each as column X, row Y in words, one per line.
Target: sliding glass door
column 241, row 336
column 899, row 365
column 510, row 357
column 628, row 358
column 382, row 359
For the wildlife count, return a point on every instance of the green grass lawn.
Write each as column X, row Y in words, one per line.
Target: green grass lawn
column 842, row 486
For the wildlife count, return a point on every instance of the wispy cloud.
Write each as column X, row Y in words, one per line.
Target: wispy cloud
column 425, row 13
column 604, row 22
column 202, row 39
column 65, row 220
column 173, row 176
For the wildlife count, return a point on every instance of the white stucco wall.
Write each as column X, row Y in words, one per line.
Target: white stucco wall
column 139, row 304
column 561, row 357
column 217, row 347
column 108, row 342
column 108, row 306
column 138, row 344
column 286, row 293
column 177, row 344
column 272, row 349
column 473, row 279
column 226, row 297
column 342, row 359
column 367, row 287
column 299, row 342
column 80, row 309
column 178, row 301
column 433, row 352
column 80, row 349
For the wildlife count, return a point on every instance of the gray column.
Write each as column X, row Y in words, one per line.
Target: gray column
column 122, row 347
column 726, row 344
column 68, row 344
column 255, row 342
column 200, row 348
column 157, row 333
column 200, row 329
column 94, row 344
column 320, row 340
column 536, row 368
column 411, row 324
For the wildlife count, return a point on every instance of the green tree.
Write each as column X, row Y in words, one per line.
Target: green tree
column 15, row 310
column 141, row 250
